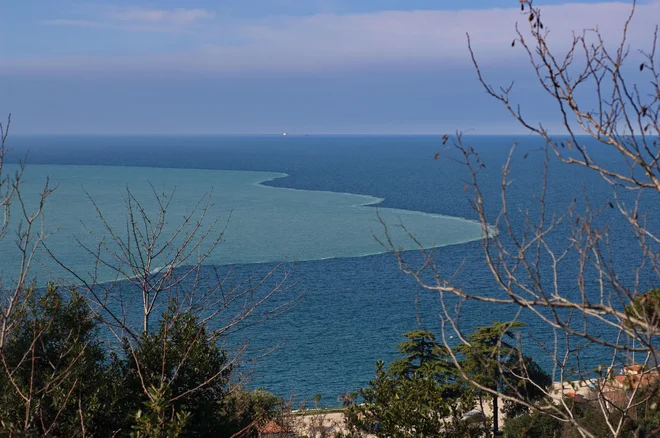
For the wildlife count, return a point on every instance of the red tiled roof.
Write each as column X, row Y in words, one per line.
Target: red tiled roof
column 633, row 368
column 633, row 380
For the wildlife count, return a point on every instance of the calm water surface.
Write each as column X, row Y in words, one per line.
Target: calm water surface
column 354, row 309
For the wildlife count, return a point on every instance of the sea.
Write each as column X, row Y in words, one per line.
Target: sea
column 317, row 212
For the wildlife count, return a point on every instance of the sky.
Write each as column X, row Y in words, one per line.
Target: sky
column 269, row 66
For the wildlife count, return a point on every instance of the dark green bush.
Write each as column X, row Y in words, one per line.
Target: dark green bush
column 534, row 425
column 56, row 377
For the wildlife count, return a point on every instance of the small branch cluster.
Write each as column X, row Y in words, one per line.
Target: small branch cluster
column 596, row 94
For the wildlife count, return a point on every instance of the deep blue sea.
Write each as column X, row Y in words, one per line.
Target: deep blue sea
column 354, row 309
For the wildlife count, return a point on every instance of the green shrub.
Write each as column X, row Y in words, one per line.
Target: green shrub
column 56, row 378
column 534, row 425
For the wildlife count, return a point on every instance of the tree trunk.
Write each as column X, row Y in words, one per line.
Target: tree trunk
column 495, row 417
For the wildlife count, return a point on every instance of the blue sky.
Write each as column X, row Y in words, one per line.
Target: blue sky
column 267, row 66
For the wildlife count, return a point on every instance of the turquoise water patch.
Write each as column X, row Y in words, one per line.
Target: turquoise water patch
column 263, row 224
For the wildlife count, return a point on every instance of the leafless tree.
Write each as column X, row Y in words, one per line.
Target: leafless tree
column 596, row 93
column 16, row 288
column 157, row 264
column 161, row 261
column 29, row 234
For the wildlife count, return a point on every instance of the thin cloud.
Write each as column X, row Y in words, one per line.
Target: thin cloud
column 389, row 39
column 73, row 22
column 178, row 17
column 140, row 19
column 431, row 35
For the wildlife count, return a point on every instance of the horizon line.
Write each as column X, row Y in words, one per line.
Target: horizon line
column 288, row 135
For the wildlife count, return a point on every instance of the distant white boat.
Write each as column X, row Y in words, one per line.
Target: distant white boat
column 284, row 134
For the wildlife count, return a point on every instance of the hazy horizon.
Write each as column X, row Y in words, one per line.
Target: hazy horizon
column 270, row 66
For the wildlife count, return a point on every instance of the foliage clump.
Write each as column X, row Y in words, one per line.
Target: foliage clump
column 58, row 379
column 425, row 393
column 416, row 395
column 643, row 312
